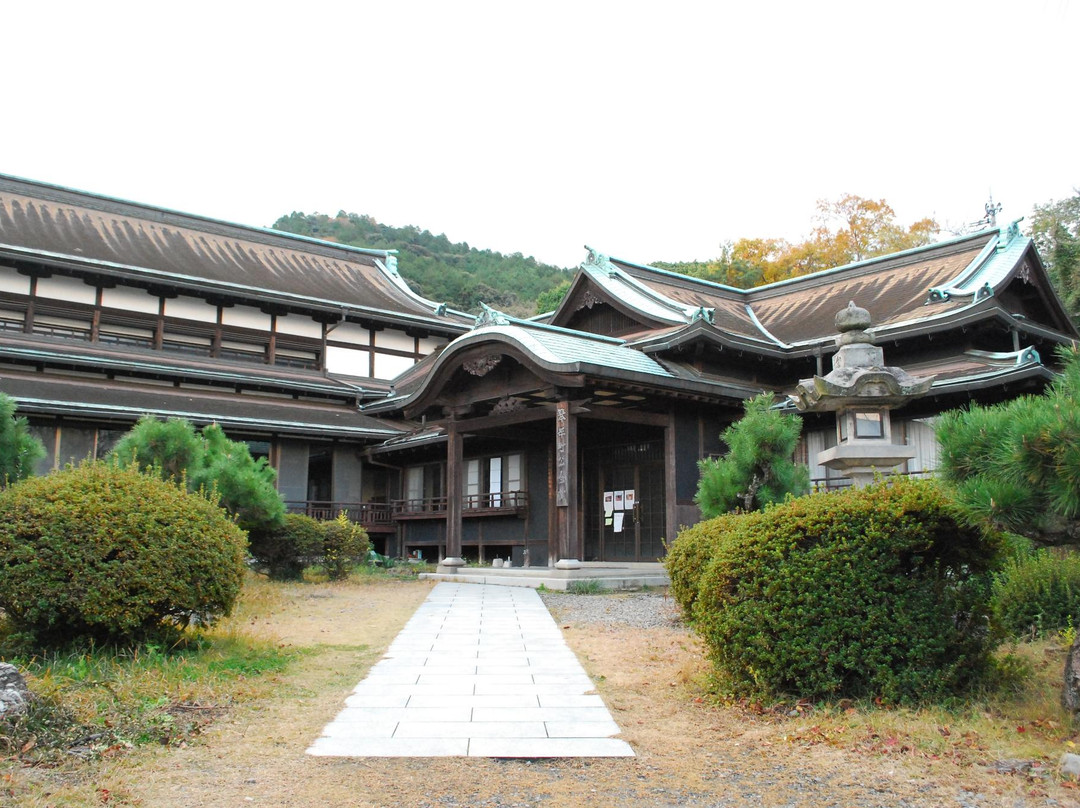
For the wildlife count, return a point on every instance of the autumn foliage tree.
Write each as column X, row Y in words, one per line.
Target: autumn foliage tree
column 846, row 230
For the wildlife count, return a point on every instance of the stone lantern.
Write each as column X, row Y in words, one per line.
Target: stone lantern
column 861, row 390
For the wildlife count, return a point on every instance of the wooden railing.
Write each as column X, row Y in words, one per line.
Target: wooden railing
column 368, row 514
column 497, row 503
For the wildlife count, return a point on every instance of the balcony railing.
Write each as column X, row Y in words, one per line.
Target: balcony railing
column 368, row 514
column 500, row 503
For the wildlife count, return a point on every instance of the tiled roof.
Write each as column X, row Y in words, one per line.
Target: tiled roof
column 904, row 288
column 562, row 348
column 97, row 233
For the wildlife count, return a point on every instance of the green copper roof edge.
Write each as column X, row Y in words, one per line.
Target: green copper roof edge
column 679, row 313
column 389, row 269
column 558, row 329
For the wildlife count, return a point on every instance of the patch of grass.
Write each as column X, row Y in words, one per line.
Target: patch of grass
column 96, row 700
column 408, row 571
column 589, row 586
column 1016, row 716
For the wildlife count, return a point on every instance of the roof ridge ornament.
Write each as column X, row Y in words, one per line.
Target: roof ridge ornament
column 595, row 257
column 489, row 316
column 939, row 294
column 1010, row 233
column 702, row 313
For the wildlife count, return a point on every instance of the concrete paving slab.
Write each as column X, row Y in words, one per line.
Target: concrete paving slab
column 479, row 671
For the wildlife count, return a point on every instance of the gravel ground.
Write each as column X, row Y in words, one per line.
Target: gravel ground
column 637, row 609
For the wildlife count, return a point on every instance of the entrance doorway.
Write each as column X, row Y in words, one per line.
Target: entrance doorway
column 624, row 502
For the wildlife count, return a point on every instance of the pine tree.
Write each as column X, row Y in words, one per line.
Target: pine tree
column 1016, row 466
column 244, row 486
column 19, row 450
column 758, row 468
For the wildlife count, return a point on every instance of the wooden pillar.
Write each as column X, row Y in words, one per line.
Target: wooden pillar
column 566, row 483
column 454, row 493
column 671, row 503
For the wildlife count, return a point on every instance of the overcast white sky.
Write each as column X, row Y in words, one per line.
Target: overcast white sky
column 649, row 130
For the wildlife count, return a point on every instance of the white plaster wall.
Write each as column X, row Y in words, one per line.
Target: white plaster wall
column 11, row 281
column 191, row 308
column 71, row 290
column 352, row 333
column 387, row 367
column 299, row 326
column 245, row 317
column 394, row 340
column 429, row 344
column 347, row 361
column 127, row 299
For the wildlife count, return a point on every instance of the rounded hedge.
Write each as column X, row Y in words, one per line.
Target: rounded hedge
column 282, row 553
column 877, row 592
column 1037, row 594
column 111, row 554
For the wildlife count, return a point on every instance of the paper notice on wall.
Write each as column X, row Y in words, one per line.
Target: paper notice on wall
column 609, row 520
column 609, row 502
column 619, row 500
column 628, row 499
column 618, row 521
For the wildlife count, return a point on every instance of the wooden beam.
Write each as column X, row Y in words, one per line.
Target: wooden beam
column 627, row 416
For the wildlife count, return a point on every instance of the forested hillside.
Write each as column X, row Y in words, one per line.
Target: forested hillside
column 440, row 270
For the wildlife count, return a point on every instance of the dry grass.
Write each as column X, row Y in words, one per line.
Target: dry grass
column 691, row 751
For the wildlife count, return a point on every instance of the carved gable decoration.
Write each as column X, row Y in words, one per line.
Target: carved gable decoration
column 509, row 404
column 483, row 365
column 587, row 300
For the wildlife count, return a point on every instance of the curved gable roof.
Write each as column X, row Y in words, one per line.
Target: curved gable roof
column 901, row 290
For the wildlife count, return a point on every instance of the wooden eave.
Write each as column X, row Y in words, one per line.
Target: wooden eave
column 27, row 350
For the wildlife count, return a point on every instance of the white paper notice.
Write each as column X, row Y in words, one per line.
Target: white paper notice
column 618, row 521
column 628, row 499
column 619, row 500
column 609, row 500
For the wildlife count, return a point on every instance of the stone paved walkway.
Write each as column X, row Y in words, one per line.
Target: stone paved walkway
column 479, row 671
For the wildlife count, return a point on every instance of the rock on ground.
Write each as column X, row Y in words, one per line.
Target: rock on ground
column 14, row 694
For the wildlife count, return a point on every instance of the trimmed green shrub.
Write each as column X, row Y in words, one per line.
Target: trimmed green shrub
column 689, row 555
column 283, row 553
column 865, row 593
column 1037, row 594
column 345, row 545
column 111, row 554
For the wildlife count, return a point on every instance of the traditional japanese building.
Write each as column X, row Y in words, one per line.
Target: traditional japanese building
column 572, row 436
column 110, row 310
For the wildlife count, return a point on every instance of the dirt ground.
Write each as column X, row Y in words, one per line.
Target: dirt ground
column 688, row 752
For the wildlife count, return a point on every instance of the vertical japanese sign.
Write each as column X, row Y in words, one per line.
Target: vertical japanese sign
column 562, row 459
